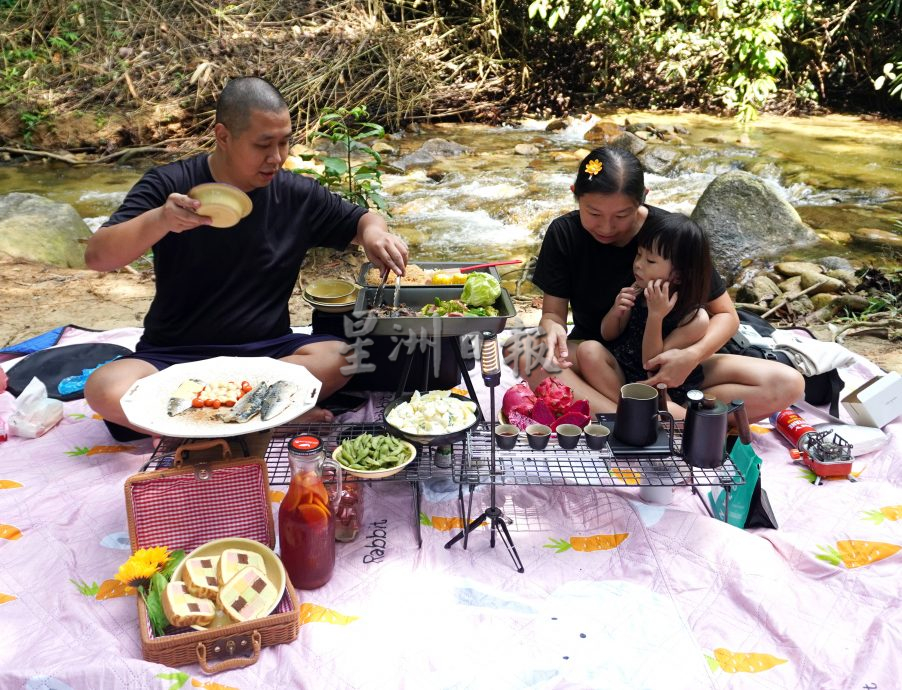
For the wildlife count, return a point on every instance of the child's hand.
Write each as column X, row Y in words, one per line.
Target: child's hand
column 659, row 298
column 626, row 300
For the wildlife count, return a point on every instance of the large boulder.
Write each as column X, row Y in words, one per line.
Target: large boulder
column 37, row 229
column 659, row 159
column 430, row 152
column 744, row 218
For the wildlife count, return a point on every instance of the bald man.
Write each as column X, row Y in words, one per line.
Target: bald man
column 224, row 292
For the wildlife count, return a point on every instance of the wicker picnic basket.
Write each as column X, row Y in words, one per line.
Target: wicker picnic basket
column 186, row 507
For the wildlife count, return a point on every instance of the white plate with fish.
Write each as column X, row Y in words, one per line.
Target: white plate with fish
column 278, row 392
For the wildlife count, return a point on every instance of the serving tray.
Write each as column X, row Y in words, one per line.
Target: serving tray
column 417, row 297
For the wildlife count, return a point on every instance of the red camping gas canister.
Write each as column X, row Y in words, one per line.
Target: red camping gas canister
column 793, row 428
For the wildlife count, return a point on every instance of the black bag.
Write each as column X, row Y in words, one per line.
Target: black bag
column 820, row 389
column 54, row 364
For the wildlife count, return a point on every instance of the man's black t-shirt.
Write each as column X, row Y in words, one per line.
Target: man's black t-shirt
column 575, row 266
column 231, row 285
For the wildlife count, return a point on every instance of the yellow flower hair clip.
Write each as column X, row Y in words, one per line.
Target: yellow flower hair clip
column 593, row 167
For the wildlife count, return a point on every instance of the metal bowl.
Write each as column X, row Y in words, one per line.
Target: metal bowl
column 331, row 291
column 428, row 439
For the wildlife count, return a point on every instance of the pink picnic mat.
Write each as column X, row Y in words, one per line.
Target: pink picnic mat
column 616, row 593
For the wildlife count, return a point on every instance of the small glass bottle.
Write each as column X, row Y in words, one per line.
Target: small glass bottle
column 307, row 515
column 348, row 505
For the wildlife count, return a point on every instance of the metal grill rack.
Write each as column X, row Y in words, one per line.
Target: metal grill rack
column 428, row 463
column 581, row 466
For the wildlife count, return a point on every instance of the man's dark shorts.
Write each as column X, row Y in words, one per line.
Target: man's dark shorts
column 163, row 357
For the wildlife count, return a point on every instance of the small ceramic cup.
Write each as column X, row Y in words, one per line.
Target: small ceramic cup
column 596, row 436
column 656, row 495
column 538, row 435
column 506, row 436
column 568, row 436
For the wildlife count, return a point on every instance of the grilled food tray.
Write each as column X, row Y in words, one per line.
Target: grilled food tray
column 417, row 297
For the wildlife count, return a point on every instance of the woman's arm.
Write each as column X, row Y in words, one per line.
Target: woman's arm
column 674, row 365
column 554, row 325
column 689, row 333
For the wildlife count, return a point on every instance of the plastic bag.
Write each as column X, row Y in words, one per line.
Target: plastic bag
column 749, row 506
column 35, row 414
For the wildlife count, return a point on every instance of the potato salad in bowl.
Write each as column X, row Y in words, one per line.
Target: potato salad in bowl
column 436, row 417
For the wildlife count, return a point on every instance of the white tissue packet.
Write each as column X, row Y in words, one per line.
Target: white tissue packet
column 35, row 414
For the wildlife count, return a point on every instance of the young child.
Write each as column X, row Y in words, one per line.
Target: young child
column 661, row 310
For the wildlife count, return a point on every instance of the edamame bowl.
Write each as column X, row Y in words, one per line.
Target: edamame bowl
column 406, row 455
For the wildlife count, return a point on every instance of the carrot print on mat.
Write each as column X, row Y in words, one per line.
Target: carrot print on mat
column 595, row 542
column 9, row 532
column 891, row 513
column 98, row 450
column 442, row 524
column 855, row 553
column 314, row 613
column 742, row 662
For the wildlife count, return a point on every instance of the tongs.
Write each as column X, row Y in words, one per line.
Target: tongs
column 377, row 299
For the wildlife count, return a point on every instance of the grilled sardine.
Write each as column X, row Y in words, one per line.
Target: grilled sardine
column 277, row 399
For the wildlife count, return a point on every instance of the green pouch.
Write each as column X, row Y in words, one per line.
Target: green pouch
column 748, row 505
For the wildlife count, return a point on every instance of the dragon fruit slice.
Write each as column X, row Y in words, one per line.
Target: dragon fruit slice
column 581, row 406
column 558, row 395
column 519, row 399
column 571, row 418
column 542, row 413
column 521, row 421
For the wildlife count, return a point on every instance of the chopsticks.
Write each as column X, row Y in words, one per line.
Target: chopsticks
column 467, row 269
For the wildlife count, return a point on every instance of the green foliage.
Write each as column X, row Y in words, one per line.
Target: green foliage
column 30, row 121
column 359, row 182
column 732, row 47
column 891, row 78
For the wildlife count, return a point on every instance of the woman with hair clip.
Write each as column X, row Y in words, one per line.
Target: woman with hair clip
column 585, row 262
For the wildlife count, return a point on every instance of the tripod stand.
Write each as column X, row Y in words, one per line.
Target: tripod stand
column 491, row 375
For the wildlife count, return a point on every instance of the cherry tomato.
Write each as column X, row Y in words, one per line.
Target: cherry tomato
column 216, row 404
column 208, row 403
column 197, row 402
column 229, row 403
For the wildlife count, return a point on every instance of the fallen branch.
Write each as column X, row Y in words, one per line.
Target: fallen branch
column 808, row 289
column 125, row 154
column 859, row 328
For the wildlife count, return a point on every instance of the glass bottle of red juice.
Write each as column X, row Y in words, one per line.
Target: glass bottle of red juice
column 306, row 515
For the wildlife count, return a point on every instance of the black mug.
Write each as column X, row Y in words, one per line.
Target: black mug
column 636, row 423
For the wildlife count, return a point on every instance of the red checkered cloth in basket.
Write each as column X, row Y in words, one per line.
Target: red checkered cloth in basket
column 184, row 512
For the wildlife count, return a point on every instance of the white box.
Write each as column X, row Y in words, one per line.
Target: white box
column 877, row 402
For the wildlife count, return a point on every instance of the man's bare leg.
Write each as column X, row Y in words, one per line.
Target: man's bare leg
column 324, row 360
column 106, row 386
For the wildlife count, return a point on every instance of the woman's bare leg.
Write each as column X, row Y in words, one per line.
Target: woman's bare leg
column 764, row 386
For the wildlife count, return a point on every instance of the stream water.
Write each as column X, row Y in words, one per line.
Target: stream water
column 840, row 172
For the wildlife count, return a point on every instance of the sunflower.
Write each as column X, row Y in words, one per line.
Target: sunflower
column 137, row 570
column 593, row 167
